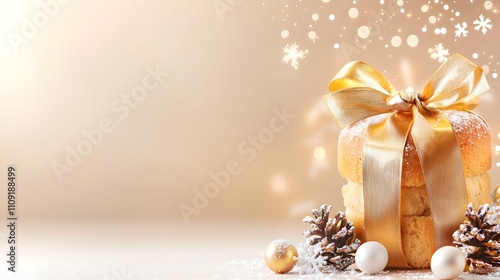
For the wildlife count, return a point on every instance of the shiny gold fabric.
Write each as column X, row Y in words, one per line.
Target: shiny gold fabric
column 359, row 91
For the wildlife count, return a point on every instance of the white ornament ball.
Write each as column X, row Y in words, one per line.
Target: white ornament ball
column 448, row 262
column 372, row 257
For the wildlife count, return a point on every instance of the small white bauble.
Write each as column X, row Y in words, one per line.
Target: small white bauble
column 372, row 257
column 447, row 262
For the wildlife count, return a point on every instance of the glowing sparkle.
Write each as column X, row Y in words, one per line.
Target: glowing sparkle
column 285, row 34
column 475, row 55
column 319, row 153
column 331, row 17
column 494, row 76
column 315, row 17
column 292, row 54
column 432, row 19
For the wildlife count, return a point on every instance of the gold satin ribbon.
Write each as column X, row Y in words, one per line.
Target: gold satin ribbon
column 359, row 91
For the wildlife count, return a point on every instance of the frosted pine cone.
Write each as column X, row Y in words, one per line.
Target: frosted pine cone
column 336, row 236
column 479, row 238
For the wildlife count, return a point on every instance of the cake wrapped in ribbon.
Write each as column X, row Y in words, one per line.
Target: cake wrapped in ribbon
column 413, row 160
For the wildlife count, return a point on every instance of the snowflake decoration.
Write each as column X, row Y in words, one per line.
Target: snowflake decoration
column 461, row 29
column 483, row 24
column 439, row 53
column 292, row 55
column 310, row 260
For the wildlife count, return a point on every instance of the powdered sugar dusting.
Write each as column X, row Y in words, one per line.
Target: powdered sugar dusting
column 471, row 131
column 358, row 129
column 462, row 121
column 467, row 123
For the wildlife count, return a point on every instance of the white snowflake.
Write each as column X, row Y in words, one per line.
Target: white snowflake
column 461, row 29
column 310, row 260
column 439, row 53
column 483, row 24
column 292, row 55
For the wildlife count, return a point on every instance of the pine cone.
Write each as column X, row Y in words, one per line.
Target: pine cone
column 336, row 235
column 479, row 239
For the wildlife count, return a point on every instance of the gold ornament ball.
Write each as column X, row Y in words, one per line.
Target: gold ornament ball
column 281, row 256
column 496, row 195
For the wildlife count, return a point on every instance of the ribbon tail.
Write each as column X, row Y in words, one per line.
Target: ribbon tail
column 382, row 167
column 441, row 161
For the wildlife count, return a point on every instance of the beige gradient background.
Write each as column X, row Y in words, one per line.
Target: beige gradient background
column 226, row 76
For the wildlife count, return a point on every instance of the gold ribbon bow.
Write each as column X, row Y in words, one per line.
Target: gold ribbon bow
column 359, row 91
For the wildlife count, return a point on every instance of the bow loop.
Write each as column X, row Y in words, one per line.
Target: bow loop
column 358, row 74
column 455, row 85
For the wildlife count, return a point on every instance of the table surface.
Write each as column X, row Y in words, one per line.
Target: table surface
column 156, row 250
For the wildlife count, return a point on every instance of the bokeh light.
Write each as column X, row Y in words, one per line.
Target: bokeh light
column 353, row 13
column 285, row 34
column 319, row 153
column 396, row 41
column 312, row 35
column 279, row 184
column 363, row 31
column 412, row 40
column 488, row 5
